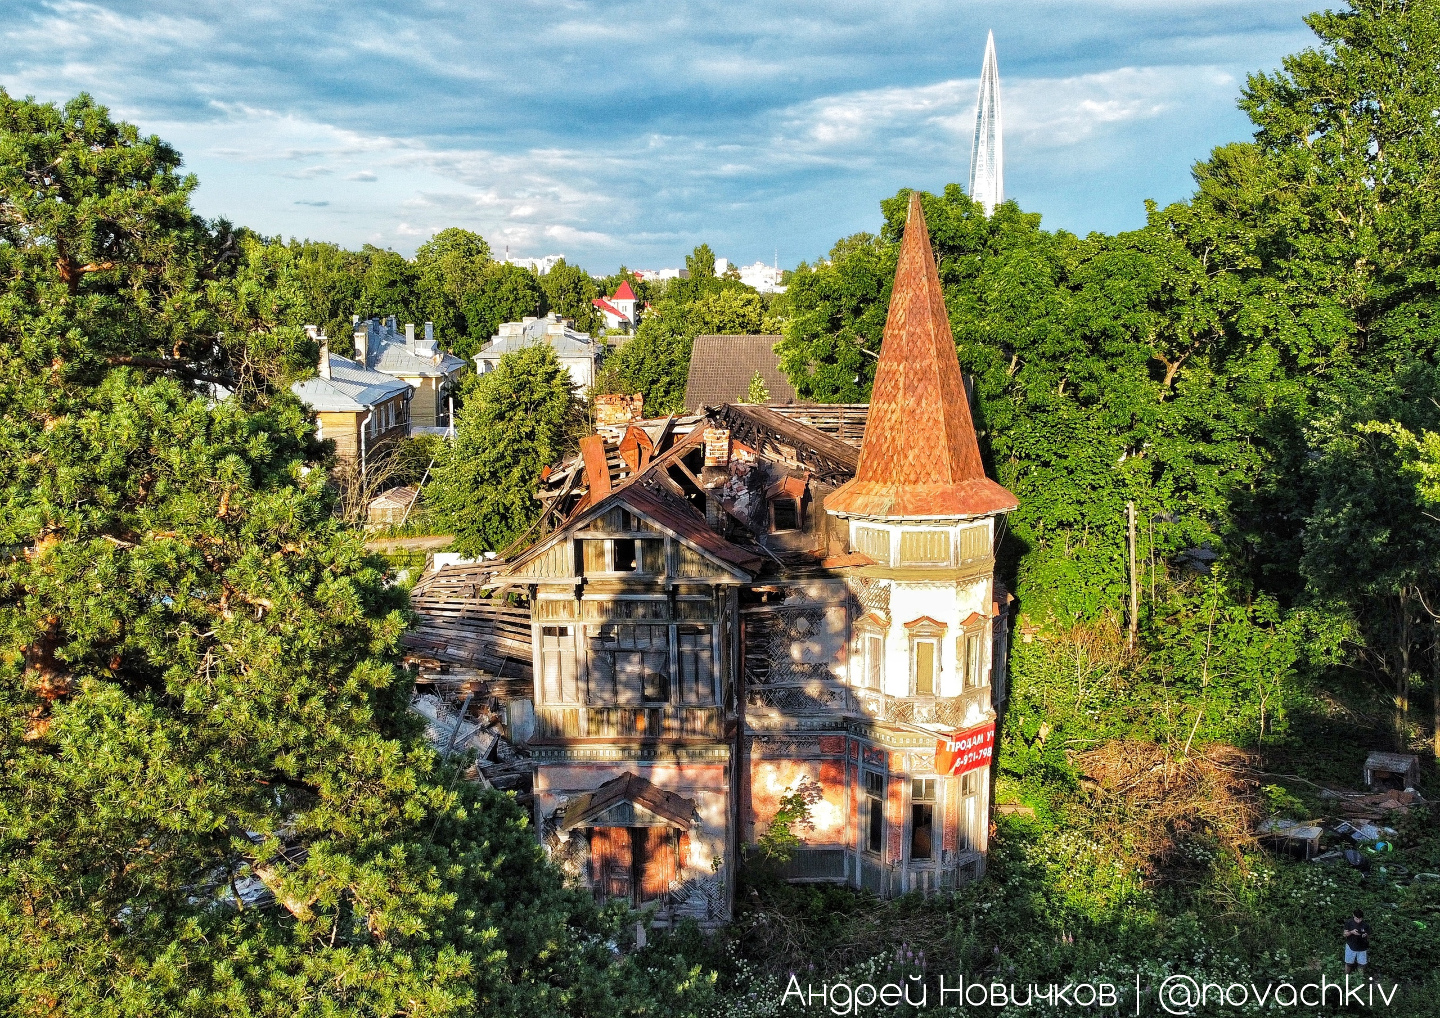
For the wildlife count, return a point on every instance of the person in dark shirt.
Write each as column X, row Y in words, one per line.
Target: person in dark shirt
column 1357, row 942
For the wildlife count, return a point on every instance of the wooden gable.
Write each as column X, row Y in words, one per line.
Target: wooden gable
column 635, row 514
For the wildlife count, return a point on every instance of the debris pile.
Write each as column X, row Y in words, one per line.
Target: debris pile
column 1159, row 802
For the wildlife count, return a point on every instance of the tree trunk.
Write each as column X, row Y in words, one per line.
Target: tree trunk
column 1435, row 692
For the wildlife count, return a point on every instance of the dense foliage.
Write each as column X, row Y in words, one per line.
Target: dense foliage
column 516, row 421
column 198, row 689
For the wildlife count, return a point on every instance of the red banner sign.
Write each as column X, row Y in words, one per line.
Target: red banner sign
column 965, row 751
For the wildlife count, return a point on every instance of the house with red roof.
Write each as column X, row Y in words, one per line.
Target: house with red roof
column 618, row 309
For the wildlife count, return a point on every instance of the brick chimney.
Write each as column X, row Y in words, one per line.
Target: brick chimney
column 324, row 357
column 429, row 332
column 410, row 335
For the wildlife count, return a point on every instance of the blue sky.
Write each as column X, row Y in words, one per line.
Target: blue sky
column 627, row 132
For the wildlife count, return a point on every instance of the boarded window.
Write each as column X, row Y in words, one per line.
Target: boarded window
column 655, row 861
column 924, row 655
column 696, row 660
column 557, row 665
column 874, row 661
column 974, row 543
column 595, row 560
column 630, row 664
column 611, row 861
column 785, row 515
column 874, row 542
column 924, row 547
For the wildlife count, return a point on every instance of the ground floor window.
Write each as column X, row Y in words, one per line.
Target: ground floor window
column 972, row 819
column 922, row 818
column 875, row 812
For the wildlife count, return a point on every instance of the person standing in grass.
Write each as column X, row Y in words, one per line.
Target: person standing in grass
column 1357, row 942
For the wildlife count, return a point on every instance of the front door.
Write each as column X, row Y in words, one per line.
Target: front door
column 612, row 858
column 635, row 863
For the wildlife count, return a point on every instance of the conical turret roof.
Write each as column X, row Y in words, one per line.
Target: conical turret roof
column 920, row 457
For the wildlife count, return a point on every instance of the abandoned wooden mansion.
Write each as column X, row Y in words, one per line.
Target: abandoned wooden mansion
column 741, row 604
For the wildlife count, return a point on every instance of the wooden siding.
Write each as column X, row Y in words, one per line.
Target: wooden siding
column 924, row 547
column 628, row 723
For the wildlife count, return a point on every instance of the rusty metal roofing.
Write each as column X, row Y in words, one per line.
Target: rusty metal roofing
column 670, row 808
column 920, row 456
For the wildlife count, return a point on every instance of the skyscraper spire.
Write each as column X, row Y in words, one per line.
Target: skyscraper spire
column 987, row 155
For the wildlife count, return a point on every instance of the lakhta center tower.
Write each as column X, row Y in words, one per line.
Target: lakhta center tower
column 987, row 154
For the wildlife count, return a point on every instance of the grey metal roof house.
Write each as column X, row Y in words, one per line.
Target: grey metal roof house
column 577, row 351
column 349, row 388
column 429, row 370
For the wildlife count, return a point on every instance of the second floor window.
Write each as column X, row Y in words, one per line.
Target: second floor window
column 869, row 660
column 925, row 668
column 970, row 655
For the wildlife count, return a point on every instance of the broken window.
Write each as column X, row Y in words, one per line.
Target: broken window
column 970, row 649
column 629, row 665
column 875, row 812
column 874, row 661
column 623, row 555
column 922, row 818
column 784, row 515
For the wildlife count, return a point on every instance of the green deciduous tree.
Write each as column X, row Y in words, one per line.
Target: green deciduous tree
column 450, row 266
column 506, row 293
column 516, row 420
column 700, row 263
column 569, row 291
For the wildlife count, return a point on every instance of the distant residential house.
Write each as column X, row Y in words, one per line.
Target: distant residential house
column 619, row 309
column 721, row 368
column 577, row 351
column 356, row 407
column 659, row 274
column 430, row 371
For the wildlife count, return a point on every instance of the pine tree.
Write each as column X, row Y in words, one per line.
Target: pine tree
column 197, row 659
column 515, row 421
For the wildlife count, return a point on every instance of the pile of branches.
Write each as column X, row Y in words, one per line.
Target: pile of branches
column 1153, row 803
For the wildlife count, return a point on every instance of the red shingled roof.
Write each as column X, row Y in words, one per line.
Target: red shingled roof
column 623, row 291
column 919, row 457
column 600, row 303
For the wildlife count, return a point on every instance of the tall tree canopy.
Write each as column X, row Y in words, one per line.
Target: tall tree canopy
column 197, row 659
column 516, row 421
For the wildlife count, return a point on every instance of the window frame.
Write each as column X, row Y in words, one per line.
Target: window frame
column 775, row 527
column 924, row 800
column 875, row 791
